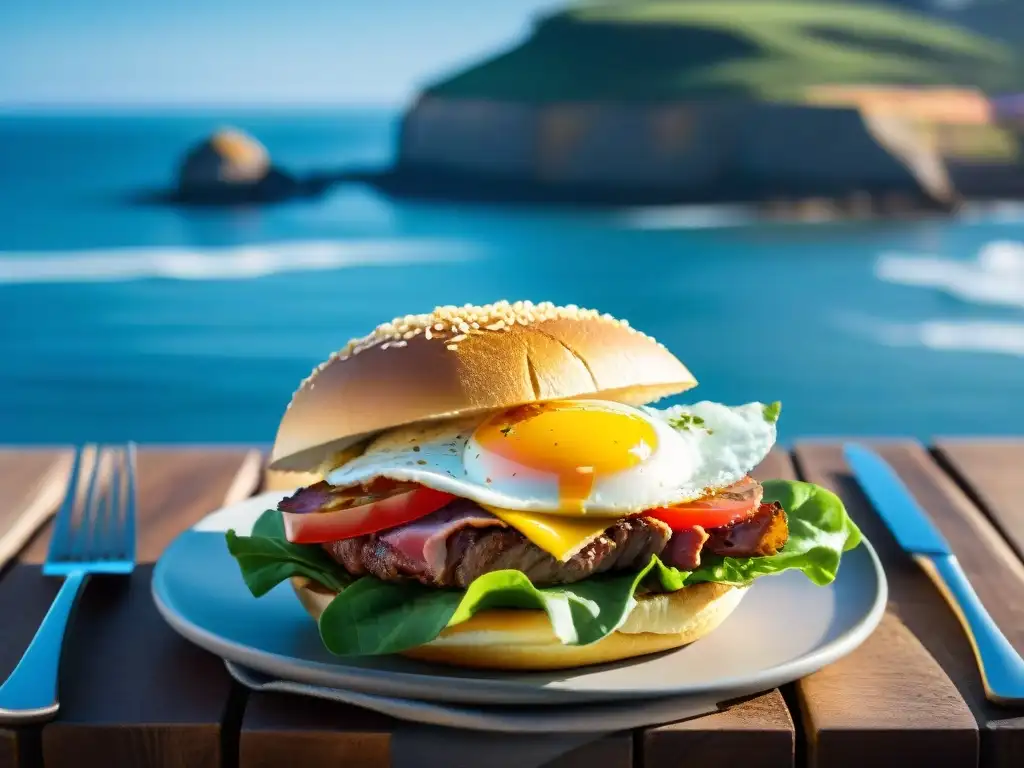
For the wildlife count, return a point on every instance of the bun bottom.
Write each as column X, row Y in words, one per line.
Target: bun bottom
column 524, row 640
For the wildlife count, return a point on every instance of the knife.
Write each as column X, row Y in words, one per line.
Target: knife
column 1002, row 668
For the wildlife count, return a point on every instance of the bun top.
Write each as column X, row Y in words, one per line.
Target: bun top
column 456, row 361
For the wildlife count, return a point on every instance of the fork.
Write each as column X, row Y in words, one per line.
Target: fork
column 93, row 533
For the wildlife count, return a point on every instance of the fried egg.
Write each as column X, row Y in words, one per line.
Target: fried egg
column 574, row 458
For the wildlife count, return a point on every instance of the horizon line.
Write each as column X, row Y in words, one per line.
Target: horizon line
column 9, row 108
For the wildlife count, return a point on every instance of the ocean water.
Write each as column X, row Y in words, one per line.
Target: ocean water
column 120, row 321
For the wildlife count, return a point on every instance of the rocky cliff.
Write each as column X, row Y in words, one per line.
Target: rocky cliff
column 697, row 100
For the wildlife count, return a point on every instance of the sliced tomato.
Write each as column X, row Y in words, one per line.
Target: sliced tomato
column 377, row 515
column 707, row 514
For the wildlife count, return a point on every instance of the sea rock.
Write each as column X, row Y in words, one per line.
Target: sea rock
column 231, row 166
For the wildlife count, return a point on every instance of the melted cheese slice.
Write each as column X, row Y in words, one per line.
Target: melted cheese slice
column 560, row 536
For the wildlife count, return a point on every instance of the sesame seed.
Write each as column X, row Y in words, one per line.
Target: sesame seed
column 499, row 316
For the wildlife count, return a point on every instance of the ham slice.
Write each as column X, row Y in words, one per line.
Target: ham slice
column 416, row 550
column 425, row 541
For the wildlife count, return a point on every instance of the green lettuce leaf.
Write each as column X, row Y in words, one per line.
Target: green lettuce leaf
column 266, row 558
column 371, row 616
column 375, row 617
column 819, row 532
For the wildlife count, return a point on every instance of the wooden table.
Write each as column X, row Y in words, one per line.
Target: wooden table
column 134, row 693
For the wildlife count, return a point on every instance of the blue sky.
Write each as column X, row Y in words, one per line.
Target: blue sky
column 247, row 52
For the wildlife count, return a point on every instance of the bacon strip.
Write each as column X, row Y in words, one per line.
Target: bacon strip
column 323, row 497
column 763, row 533
column 683, row 550
column 309, row 499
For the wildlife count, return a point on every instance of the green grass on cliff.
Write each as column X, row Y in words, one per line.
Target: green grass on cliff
column 646, row 49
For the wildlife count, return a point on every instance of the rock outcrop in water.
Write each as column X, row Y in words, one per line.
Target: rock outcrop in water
column 232, row 167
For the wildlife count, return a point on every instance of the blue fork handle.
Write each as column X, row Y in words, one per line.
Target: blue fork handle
column 30, row 693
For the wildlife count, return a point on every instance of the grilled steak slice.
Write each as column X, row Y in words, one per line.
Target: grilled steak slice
column 625, row 545
column 477, row 545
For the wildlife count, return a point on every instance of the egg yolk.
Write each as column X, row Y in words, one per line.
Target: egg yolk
column 575, row 441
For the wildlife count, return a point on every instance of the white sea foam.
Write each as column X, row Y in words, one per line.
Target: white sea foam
column 694, row 216
column 960, row 336
column 993, row 212
column 944, row 335
column 688, row 216
column 995, row 277
column 221, row 263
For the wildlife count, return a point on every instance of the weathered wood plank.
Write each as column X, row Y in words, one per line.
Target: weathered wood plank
column 856, row 711
column 181, row 486
column 282, row 730
column 992, row 565
column 31, row 487
column 757, row 733
column 132, row 691
column 24, row 598
column 32, row 484
column 889, row 703
column 279, row 730
column 990, row 471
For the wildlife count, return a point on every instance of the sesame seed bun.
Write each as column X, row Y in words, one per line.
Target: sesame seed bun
column 457, row 361
column 524, row 640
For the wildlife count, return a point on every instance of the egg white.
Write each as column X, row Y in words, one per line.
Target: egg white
column 694, row 456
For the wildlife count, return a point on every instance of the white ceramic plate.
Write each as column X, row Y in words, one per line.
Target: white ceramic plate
column 784, row 628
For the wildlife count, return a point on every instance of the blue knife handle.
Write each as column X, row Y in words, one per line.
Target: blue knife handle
column 1002, row 668
column 30, row 693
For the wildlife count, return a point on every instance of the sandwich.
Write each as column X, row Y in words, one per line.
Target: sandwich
column 493, row 487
